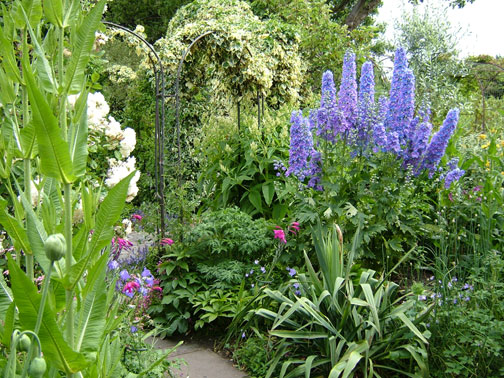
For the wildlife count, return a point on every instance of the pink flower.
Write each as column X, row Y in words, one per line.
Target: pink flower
column 294, row 227
column 157, row 288
column 130, row 287
column 166, row 241
column 136, row 217
column 280, row 234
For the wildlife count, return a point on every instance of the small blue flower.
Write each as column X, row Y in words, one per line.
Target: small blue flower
column 422, row 297
column 296, row 285
column 133, row 329
column 263, row 269
column 113, row 265
column 292, row 272
column 124, row 275
column 252, row 286
column 243, row 335
column 297, row 292
column 146, row 273
column 256, row 262
column 467, row 299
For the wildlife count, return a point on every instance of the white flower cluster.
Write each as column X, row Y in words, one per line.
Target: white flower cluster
column 106, row 131
column 120, row 169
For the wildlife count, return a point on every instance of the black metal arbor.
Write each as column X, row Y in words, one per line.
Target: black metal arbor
column 160, row 95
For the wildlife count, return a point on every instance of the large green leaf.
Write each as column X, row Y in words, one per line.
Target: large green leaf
column 92, row 316
column 84, row 40
column 108, row 214
column 7, row 95
column 54, row 151
column 54, row 347
column 27, row 138
column 53, row 11
column 8, row 59
column 14, row 229
column 44, row 69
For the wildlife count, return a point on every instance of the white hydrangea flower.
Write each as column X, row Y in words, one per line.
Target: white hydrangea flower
column 128, row 142
column 113, row 130
column 119, row 170
column 97, row 107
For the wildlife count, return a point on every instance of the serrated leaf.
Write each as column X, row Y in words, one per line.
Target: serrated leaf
column 54, row 154
column 53, row 11
column 84, row 40
column 54, row 347
column 92, row 316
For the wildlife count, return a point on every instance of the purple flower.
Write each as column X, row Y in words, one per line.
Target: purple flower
column 133, row 329
column 439, row 141
column 366, row 104
column 146, row 273
column 422, row 297
column 453, row 175
column 263, row 269
column 347, row 95
column 149, row 280
column 292, row 272
column 297, row 292
column 113, row 265
column 419, row 142
column 256, row 262
column 467, row 299
column 315, row 170
column 252, row 286
column 295, row 285
column 402, row 98
column 301, row 146
column 124, row 275
column 328, row 98
column 243, row 335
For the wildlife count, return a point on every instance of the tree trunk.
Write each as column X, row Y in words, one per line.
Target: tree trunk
column 360, row 11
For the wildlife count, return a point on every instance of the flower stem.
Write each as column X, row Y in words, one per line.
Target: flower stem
column 68, row 263
column 40, row 315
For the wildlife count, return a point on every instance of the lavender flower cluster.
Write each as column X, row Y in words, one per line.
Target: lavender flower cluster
column 353, row 116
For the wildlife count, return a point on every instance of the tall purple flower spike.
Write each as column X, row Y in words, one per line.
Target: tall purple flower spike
column 301, row 145
column 402, row 98
column 366, row 104
column 439, row 141
column 347, row 95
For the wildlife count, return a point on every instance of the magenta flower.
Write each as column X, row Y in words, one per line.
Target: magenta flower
column 294, row 227
column 130, row 288
column 280, row 234
column 136, row 217
column 166, row 241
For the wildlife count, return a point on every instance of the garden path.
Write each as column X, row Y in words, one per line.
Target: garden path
column 202, row 361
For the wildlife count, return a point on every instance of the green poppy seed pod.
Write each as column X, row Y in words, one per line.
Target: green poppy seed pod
column 37, row 367
column 24, row 343
column 55, row 247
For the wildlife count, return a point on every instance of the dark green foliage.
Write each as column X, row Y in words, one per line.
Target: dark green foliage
column 153, row 15
column 224, row 274
column 229, row 233
column 467, row 330
column 254, row 355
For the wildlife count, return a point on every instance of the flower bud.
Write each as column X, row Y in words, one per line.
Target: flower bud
column 55, row 246
column 24, row 343
column 37, row 367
